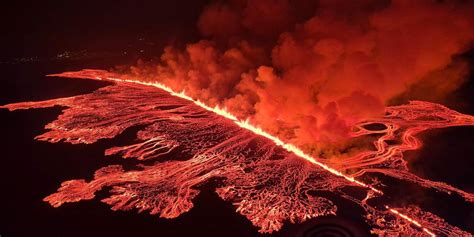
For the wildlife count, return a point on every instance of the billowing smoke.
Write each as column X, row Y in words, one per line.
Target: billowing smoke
column 308, row 70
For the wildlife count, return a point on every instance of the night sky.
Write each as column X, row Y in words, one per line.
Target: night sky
column 103, row 34
column 35, row 28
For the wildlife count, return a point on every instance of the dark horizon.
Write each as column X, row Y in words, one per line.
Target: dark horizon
column 52, row 27
column 42, row 38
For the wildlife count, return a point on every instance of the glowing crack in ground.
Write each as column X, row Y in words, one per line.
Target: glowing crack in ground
column 268, row 180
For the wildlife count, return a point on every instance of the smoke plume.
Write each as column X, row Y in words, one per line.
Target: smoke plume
column 308, row 70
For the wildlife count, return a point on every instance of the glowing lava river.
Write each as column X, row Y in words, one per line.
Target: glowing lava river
column 269, row 181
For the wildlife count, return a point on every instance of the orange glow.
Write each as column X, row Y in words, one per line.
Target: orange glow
column 259, row 131
column 246, row 124
column 222, row 145
column 414, row 222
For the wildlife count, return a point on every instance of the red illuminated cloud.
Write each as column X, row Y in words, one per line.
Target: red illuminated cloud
column 309, row 70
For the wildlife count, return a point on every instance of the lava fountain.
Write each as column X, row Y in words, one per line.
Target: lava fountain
column 268, row 180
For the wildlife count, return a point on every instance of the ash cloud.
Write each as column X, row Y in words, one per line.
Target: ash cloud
column 309, row 70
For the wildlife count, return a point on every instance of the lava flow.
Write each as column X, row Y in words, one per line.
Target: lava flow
column 270, row 181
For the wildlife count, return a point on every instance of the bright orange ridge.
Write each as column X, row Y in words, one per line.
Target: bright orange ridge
column 259, row 131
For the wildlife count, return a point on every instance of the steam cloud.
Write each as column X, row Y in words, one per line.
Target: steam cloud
column 308, row 70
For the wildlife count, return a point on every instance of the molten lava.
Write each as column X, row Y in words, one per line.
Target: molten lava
column 269, row 180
